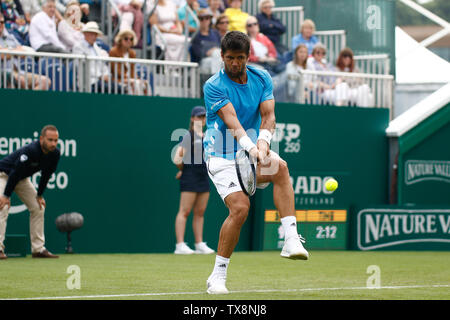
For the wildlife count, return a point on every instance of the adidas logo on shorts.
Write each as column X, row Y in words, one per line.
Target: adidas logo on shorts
column 231, row 185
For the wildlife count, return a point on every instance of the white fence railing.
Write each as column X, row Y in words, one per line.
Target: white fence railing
column 341, row 89
column 374, row 64
column 79, row 73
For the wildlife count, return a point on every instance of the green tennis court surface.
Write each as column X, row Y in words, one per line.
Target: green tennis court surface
column 251, row 276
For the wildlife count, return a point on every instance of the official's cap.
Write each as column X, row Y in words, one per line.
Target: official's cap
column 198, row 111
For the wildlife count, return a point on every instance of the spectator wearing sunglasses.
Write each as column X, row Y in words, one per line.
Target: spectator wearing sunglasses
column 205, row 47
column 262, row 50
column 124, row 72
column 324, row 84
column 221, row 25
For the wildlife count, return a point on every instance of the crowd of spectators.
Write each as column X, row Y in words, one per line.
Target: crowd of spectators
column 63, row 26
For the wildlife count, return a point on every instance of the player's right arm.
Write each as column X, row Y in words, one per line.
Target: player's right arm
column 218, row 102
column 229, row 117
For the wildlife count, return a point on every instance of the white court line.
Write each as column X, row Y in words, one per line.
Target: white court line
column 238, row 291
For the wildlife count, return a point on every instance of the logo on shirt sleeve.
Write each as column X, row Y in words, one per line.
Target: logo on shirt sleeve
column 217, row 103
column 23, row 158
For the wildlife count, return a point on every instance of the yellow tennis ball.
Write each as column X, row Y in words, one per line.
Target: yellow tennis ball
column 331, row 184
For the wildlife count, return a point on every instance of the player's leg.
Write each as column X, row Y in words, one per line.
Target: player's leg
column 277, row 172
column 238, row 204
column 187, row 200
column 27, row 193
column 3, row 212
column 223, row 174
column 198, row 220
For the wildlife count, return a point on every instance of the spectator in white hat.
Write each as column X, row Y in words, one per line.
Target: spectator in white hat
column 99, row 71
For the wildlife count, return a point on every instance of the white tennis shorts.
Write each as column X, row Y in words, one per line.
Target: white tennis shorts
column 224, row 176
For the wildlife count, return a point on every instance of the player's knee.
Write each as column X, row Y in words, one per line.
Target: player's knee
column 283, row 170
column 239, row 212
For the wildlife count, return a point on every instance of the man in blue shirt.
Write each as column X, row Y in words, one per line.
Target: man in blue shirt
column 15, row 170
column 241, row 108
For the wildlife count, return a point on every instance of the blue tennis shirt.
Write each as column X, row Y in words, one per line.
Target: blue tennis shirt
column 218, row 91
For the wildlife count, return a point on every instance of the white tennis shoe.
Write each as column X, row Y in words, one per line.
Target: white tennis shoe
column 216, row 284
column 202, row 248
column 293, row 249
column 182, row 248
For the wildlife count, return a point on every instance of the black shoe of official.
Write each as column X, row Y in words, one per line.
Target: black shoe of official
column 44, row 254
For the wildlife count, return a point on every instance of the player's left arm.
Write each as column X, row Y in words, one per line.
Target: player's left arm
column 267, row 111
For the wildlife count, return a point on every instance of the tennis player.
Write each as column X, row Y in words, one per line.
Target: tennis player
column 241, row 114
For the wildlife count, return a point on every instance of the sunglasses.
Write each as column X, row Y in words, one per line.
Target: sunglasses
column 204, row 18
column 322, row 53
column 128, row 39
column 223, row 22
column 252, row 24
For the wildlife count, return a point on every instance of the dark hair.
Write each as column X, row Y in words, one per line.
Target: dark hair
column 46, row 128
column 346, row 52
column 235, row 41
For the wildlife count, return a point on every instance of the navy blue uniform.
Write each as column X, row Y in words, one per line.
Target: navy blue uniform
column 195, row 175
column 26, row 161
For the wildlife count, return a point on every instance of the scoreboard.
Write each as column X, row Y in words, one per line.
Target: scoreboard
column 322, row 229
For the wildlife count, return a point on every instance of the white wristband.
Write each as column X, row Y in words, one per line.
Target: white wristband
column 246, row 143
column 265, row 135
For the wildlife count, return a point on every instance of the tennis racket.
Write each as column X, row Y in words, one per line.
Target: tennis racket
column 246, row 172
